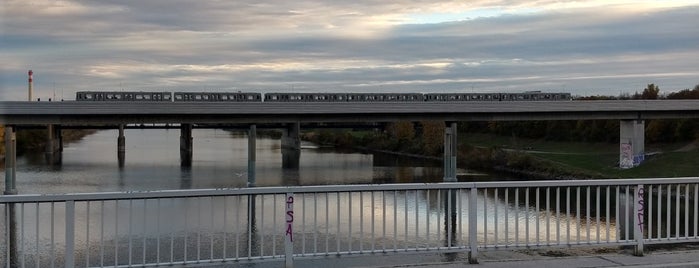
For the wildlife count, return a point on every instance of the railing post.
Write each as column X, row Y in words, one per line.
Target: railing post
column 639, row 219
column 472, row 228
column 289, row 231
column 70, row 234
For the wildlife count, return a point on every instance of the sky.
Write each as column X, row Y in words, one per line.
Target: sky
column 597, row 47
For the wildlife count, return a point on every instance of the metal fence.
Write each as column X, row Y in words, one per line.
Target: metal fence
column 283, row 223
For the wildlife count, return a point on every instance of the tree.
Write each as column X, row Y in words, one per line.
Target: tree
column 432, row 136
column 403, row 131
column 650, row 92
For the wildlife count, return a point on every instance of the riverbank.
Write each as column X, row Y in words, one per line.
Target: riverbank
column 529, row 158
column 35, row 140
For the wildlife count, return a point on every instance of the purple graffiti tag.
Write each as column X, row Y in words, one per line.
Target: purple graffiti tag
column 290, row 218
column 641, row 207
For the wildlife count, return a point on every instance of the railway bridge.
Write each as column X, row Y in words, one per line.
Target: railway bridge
column 291, row 115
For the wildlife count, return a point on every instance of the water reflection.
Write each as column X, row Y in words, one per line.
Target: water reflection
column 151, row 162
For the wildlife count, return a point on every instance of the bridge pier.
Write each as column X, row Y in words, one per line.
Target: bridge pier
column 186, row 145
column 631, row 143
column 450, row 144
column 252, row 155
column 10, row 161
column 291, row 146
column 54, row 139
column 290, row 136
column 54, row 145
column 121, row 146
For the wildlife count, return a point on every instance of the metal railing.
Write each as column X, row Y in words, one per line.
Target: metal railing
column 283, row 223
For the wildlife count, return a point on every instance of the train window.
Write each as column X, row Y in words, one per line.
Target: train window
column 117, row 96
column 139, row 97
column 197, row 97
column 147, row 97
column 167, row 96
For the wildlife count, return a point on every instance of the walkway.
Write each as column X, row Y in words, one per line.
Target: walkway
column 670, row 256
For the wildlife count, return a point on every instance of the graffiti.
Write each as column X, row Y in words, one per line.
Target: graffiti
column 641, row 206
column 637, row 159
column 626, row 160
column 290, row 217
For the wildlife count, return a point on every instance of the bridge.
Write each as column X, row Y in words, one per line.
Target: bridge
column 290, row 115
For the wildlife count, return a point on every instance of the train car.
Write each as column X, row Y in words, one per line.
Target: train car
column 525, row 96
column 535, row 96
column 284, row 97
column 342, row 97
column 122, row 96
column 462, row 96
column 390, row 97
column 217, row 97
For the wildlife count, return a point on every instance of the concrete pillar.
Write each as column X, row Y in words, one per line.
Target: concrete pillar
column 291, row 146
column 631, row 143
column 450, row 143
column 291, row 136
column 121, row 147
column 54, row 139
column 291, row 159
column 10, row 161
column 186, row 145
column 252, row 155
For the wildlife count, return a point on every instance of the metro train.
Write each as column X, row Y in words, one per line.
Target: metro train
column 134, row 96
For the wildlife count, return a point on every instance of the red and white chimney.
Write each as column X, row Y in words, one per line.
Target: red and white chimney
column 31, row 84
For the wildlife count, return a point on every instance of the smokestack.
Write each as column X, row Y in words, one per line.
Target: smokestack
column 31, row 84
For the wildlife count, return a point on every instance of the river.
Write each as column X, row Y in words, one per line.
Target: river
column 219, row 161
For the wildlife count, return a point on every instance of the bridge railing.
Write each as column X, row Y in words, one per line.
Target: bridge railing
column 282, row 223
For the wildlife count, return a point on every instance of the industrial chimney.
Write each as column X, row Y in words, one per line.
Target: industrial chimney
column 31, row 84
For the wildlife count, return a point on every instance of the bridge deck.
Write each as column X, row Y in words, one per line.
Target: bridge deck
column 80, row 113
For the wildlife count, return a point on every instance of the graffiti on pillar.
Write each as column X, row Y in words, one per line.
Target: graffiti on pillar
column 627, row 159
column 637, row 159
column 290, row 218
column 641, row 207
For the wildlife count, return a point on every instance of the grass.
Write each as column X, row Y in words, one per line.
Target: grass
column 597, row 159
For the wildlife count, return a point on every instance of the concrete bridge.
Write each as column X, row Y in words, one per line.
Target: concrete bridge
column 290, row 116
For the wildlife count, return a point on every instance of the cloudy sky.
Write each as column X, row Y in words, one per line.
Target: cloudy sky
column 583, row 47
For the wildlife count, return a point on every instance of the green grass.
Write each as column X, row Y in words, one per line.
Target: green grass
column 486, row 140
column 597, row 159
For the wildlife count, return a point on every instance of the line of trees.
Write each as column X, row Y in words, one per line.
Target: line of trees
column 661, row 130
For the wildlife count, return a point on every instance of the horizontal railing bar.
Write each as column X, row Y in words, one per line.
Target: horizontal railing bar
column 670, row 240
column 329, row 189
column 553, row 246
